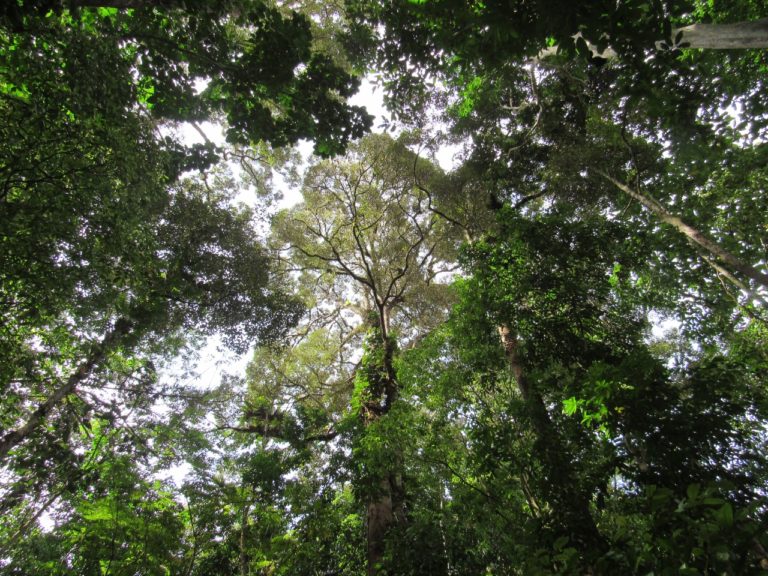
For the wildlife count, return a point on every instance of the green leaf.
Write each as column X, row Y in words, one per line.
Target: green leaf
column 571, row 405
column 724, row 515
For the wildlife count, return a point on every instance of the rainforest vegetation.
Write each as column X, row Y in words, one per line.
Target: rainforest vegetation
column 550, row 358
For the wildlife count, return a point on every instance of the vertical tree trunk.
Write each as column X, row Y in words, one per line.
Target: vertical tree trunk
column 244, row 561
column 379, row 516
column 385, row 506
column 569, row 503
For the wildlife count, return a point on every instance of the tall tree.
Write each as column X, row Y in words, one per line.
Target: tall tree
column 365, row 221
column 653, row 123
column 566, row 431
column 109, row 262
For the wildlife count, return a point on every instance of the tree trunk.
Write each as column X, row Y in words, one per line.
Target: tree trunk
column 692, row 233
column 96, row 356
column 244, row 560
column 569, row 504
column 385, row 507
column 379, row 516
column 737, row 36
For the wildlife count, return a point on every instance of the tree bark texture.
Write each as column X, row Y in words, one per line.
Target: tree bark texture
column 736, row 36
column 379, row 516
column 385, row 507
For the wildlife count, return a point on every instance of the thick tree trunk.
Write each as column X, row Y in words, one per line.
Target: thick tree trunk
column 385, row 508
column 569, row 504
column 96, row 356
column 737, row 36
column 692, row 233
column 379, row 516
column 383, row 512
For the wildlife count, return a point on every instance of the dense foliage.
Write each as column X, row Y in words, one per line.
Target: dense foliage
column 550, row 359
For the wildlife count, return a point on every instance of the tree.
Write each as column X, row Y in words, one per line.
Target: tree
column 587, row 423
column 120, row 525
column 201, row 269
column 535, row 26
column 420, row 35
column 696, row 237
column 364, row 218
column 110, row 262
column 454, row 373
column 367, row 226
column 532, row 122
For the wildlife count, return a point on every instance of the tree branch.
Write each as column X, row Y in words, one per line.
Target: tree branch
column 690, row 232
column 96, row 356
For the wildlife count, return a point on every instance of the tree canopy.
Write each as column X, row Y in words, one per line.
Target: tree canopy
column 548, row 359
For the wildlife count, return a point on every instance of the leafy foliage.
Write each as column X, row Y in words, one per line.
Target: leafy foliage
column 256, row 63
column 550, row 360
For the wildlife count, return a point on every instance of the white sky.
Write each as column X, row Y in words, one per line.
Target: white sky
column 369, row 96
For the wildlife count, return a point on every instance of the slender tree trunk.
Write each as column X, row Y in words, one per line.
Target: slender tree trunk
column 96, row 356
column 692, row 233
column 244, row 563
column 569, row 504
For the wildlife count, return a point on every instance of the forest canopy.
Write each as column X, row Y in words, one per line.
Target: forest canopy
column 549, row 358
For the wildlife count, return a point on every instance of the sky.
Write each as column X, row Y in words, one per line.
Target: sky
column 369, row 96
